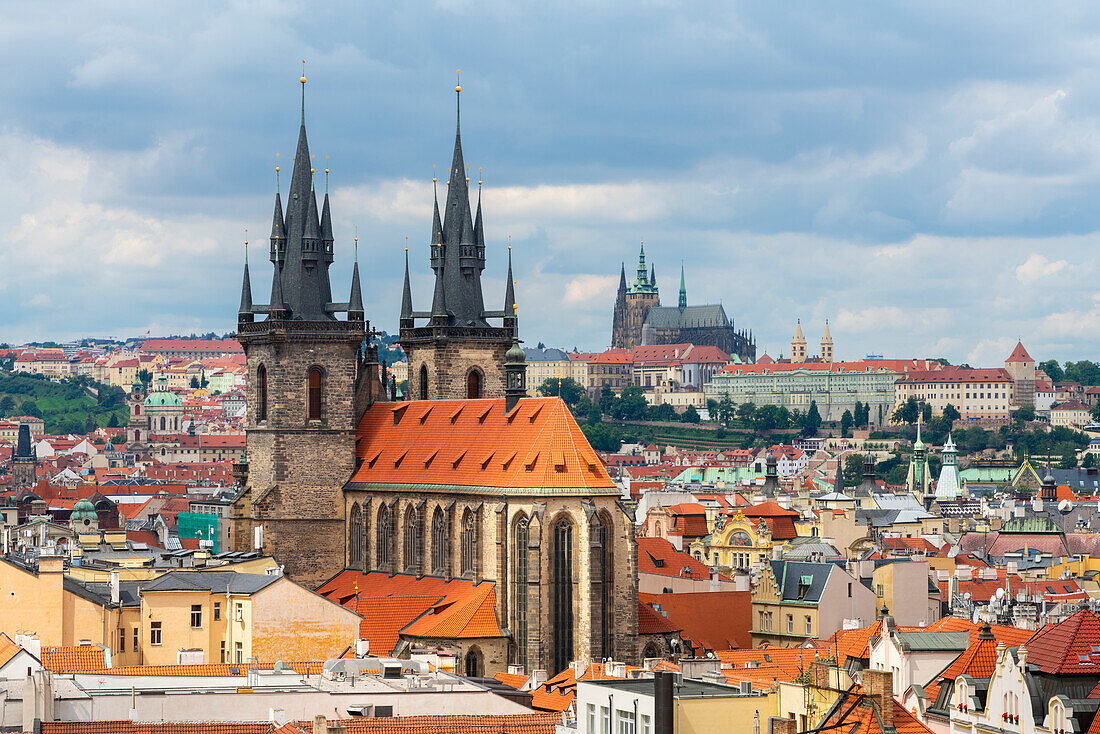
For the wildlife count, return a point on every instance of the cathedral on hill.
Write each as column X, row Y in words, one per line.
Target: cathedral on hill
column 640, row 319
column 468, row 491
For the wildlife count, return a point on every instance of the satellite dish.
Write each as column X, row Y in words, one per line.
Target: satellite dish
column 966, row 596
column 1000, row 593
column 1065, row 506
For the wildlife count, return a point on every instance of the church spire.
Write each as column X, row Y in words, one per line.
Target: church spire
column 683, row 290
column 244, row 313
column 622, row 277
column 510, row 294
column 355, row 303
column 406, row 293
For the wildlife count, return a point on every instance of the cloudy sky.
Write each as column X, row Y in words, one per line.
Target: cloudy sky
column 924, row 175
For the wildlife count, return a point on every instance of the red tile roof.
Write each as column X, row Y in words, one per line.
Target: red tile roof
column 711, row 620
column 652, row 622
column 210, row 346
column 864, row 719
column 1066, row 648
column 167, row 727
column 8, row 649
column 955, row 375
column 977, row 661
column 475, row 443
column 424, row 607
column 866, row 365
column 1019, row 354
column 76, row 659
column 658, row 556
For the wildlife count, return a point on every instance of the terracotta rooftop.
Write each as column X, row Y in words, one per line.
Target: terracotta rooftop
column 1070, row 647
column 658, row 556
column 76, row 659
column 1019, row 354
column 538, row 446
column 710, row 621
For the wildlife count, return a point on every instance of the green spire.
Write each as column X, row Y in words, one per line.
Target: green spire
column 683, row 290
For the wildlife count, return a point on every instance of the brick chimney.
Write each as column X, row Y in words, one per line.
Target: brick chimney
column 781, row 725
column 878, row 688
column 819, row 674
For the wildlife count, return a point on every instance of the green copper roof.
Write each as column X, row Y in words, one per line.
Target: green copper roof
column 83, row 510
column 163, row 399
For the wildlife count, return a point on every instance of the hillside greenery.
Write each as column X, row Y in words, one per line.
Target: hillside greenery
column 77, row 405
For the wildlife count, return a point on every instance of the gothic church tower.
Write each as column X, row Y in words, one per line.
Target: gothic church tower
column 642, row 295
column 457, row 353
column 310, row 378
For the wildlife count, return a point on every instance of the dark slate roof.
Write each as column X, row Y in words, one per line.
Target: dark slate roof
column 801, row 581
column 23, row 444
column 1078, row 480
column 545, row 355
column 669, row 317
column 935, row 641
column 219, row 582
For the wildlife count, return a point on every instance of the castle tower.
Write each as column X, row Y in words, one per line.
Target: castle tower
column 24, row 464
column 310, row 377
column 637, row 300
column 683, row 301
column 1021, row 368
column 798, row 345
column 457, row 353
column 826, row 344
column 947, row 486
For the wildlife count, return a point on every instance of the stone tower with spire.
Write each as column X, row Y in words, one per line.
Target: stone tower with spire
column 455, row 352
column 826, row 344
column 311, row 375
column 798, row 345
column 24, row 465
column 633, row 303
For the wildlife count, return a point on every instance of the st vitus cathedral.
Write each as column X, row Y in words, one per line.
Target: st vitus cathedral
column 469, row 480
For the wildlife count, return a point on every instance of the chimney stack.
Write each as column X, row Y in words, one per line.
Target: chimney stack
column 878, row 687
column 663, row 704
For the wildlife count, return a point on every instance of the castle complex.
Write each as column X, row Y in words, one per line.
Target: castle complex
column 470, row 480
column 639, row 318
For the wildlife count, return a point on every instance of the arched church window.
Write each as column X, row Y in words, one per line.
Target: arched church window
column 473, row 663
column 261, row 379
column 469, row 541
column 440, row 556
column 162, row 423
column 473, row 385
column 412, row 540
column 562, row 594
column 315, row 394
column 355, row 537
column 604, row 571
column 423, row 382
column 519, row 592
column 384, row 537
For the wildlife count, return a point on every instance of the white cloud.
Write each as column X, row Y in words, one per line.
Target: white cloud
column 585, row 288
column 1037, row 266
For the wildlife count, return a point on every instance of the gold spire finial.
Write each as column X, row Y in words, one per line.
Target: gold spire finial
column 303, row 79
column 479, row 176
column 434, row 179
column 458, row 80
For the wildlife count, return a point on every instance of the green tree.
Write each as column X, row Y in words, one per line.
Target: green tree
column 607, row 396
column 926, row 412
column 29, row 407
column 1095, row 412
column 857, row 413
column 1085, row 372
column 603, row 437
column 145, row 376
column 951, row 413
column 768, row 417
column 630, row 405
column 1053, row 370
column 1069, row 459
column 568, row 389
column 1025, row 414
column 594, row 415
column 195, row 383
column 726, row 411
column 119, row 439
column 812, row 421
column 7, row 405
column 113, row 422
column 691, row 415
column 853, row 470
column 846, row 423
column 1089, row 461
column 907, row 412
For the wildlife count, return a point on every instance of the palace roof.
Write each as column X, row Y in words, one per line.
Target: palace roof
column 537, row 447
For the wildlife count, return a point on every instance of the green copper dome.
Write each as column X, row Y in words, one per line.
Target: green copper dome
column 163, row 399
column 515, row 354
column 83, row 510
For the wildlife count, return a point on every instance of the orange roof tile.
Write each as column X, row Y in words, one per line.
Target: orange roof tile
column 8, row 649
column 78, row 659
column 537, row 446
column 709, row 621
column 512, row 680
column 420, row 607
column 167, row 727
column 1019, row 354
